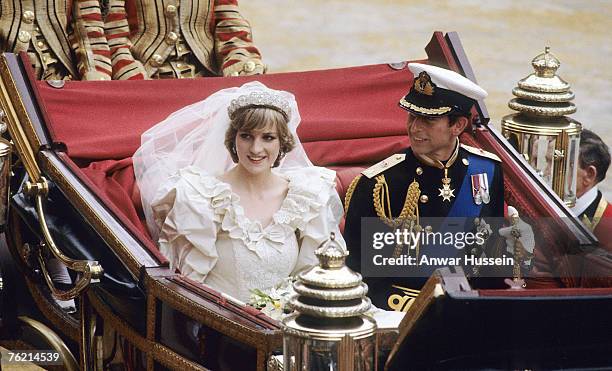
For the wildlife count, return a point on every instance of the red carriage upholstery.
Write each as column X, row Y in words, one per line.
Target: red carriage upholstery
column 350, row 119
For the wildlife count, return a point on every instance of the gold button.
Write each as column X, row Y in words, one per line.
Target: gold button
column 465, row 161
column 24, row 36
column 179, row 65
column 44, row 58
column 180, row 48
column 170, row 9
column 156, row 60
column 40, row 44
column 424, row 199
column 37, row 29
column 171, row 38
column 428, row 229
column 28, row 16
column 249, row 66
column 419, row 170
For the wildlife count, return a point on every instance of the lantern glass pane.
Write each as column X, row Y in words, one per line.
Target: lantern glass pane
column 571, row 167
column 303, row 354
column 540, row 150
column 365, row 354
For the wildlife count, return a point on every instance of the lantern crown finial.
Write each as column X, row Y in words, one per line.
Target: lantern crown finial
column 546, row 64
column 331, row 289
column 543, row 93
column 331, row 254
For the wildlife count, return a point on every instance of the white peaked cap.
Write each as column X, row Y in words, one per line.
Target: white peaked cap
column 450, row 80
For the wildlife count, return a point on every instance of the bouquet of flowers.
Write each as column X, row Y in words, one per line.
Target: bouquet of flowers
column 274, row 302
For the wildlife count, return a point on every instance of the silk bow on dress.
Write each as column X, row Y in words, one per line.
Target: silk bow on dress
column 257, row 237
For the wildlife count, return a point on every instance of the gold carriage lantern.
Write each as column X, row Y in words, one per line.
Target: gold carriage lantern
column 541, row 131
column 328, row 330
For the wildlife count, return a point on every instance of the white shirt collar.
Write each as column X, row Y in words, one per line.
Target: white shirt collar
column 584, row 201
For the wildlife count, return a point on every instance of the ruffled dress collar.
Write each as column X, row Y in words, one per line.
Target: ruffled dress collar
column 301, row 204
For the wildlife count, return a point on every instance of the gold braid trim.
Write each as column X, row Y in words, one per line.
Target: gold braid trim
column 409, row 216
column 601, row 208
column 350, row 191
column 409, row 210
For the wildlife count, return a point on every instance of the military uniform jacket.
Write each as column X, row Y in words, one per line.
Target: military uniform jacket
column 69, row 33
column 359, row 204
column 143, row 35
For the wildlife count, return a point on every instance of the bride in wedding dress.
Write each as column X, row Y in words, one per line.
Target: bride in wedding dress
column 229, row 193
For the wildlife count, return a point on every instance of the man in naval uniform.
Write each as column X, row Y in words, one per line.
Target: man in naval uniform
column 180, row 39
column 64, row 39
column 436, row 177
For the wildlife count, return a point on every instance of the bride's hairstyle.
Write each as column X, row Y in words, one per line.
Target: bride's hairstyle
column 255, row 118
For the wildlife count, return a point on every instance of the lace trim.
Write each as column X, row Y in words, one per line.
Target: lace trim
column 308, row 192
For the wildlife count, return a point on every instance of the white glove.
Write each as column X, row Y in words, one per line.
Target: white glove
column 521, row 231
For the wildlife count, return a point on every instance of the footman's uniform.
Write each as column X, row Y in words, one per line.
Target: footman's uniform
column 180, row 39
column 597, row 216
column 64, row 39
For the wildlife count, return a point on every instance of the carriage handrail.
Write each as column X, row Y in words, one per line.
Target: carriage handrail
column 91, row 271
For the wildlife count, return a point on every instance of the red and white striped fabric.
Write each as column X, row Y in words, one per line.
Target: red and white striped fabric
column 89, row 41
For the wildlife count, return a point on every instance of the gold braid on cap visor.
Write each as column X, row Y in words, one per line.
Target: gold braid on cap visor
column 427, row 111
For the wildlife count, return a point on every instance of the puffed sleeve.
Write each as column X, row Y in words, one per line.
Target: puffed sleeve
column 320, row 216
column 186, row 219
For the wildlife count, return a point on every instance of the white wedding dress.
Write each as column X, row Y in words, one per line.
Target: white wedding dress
column 205, row 234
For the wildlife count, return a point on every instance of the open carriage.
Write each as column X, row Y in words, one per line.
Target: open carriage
column 73, row 197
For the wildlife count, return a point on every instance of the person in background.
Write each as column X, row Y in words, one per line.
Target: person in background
column 591, row 268
column 180, row 39
column 593, row 163
column 64, row 39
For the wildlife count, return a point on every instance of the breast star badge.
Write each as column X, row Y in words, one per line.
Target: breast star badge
column 446, row 192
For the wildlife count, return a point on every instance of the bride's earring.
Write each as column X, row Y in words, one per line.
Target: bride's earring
column 281, row 154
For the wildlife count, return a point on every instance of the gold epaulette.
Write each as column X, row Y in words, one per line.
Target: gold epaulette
column 480, row 152
column 349, row 192
column 385, row 164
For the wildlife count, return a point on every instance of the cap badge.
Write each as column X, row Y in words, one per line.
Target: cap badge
column 423, row 84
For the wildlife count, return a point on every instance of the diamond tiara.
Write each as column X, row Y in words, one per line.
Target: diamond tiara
column 260, row 99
